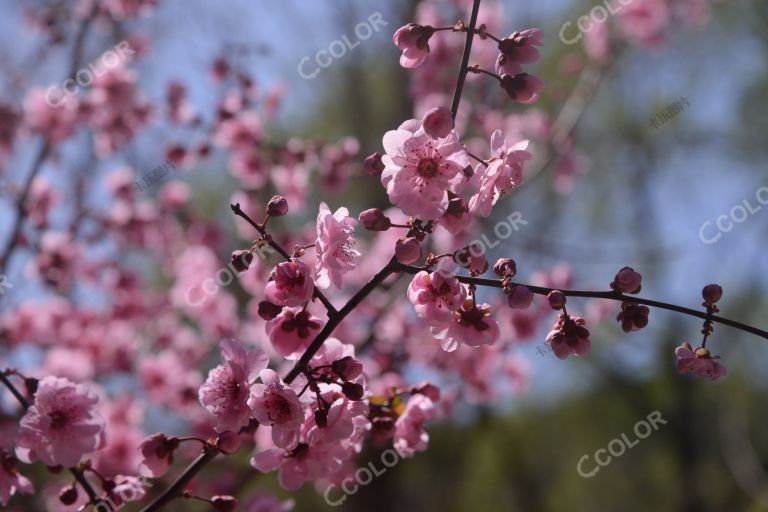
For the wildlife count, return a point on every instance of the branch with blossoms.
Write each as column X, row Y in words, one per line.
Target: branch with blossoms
column 323, row 402
column 311, row 424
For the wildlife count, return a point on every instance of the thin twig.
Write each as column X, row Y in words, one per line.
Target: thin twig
column 465, row 58
column 609, row 295
column 317, row 293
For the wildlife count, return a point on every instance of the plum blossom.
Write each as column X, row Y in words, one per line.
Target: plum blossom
column 519, row 48
column 225, row 393
column 413, row 40
column 275, row 404
column 157, row 454
column 569, row 337
column 419, row 171
column 699, row 362
column 290, row 284
column 503, row 174
column 410, row 436
column 11, row 481
column 436, row 296
column 471, row 324
column 335, row 246
column 61, row 425
column 292, row 331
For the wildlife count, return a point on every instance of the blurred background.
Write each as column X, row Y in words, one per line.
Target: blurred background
column 612, row 184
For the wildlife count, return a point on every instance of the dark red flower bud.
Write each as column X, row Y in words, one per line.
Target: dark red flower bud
column 712, row 293
column 267, row 311
column 68, row 495
column 277, row 206
column 321, row 418
column 373, row 164
column 352, row 391
column 241, row 260
column 224, row 503
column 505, row 267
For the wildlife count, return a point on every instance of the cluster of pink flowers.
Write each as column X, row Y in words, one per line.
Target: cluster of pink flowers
column 334, row 396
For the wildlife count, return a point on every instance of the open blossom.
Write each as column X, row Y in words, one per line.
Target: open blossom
column 225, row 393
column 410, row 435
column 419, row 171
column 569, row 337
column 436, row 296
column 291, row 284
column 335, row 246
column 471, row 324
column 61, row 425
column 275, row 404
column 413, row 40
column 519, row 48
column 11, row 481
column 502, row 175
column 292, row 331
column 699, row 362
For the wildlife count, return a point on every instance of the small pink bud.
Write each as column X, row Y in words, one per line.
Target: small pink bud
column 627, row 281
column 505, row 267
column 556, row 299
column 241, row 260
column 375, row 220
column 277, row 206
column 373, row 164
column 519, row 297
column 712, row 293
column 408, row 250
column 228, row 442
column 438, row 122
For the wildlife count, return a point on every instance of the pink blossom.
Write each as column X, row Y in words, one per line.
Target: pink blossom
column 292, row 331
column 413, row 40
column 290, row 284
column 157, row 454
column 699, row 362
column 436, row 296
column 225, row 393
column 275, row 404
column 11, row 481
column 456, row 217
column 419, row 171
column 410, row 435
column 522, row 87
column 519, row 48
column 335, row 246
column 268, row 503
column 503, row 174
column 569, row 337
column 61, row 425
column 472, row 325
column 54, row 118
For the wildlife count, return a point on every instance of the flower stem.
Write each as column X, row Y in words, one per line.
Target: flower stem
column 465, row 58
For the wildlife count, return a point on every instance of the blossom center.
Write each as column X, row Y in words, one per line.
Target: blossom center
column 427, row 167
